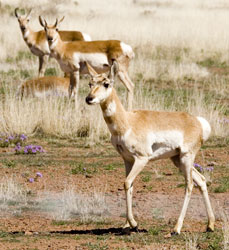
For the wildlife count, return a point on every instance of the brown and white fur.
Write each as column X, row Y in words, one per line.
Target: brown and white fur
column 72, row 56
column 37, row 42
column 44, row 87
column 143, row 135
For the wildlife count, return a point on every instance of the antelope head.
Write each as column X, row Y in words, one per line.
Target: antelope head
column 23, row 20
column 51, row 31
column 100, row 85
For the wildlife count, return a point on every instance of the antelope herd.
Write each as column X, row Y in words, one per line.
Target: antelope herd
column 139, row 135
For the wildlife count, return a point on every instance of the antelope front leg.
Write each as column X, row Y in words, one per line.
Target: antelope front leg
column 132, row 170
column 42, row 65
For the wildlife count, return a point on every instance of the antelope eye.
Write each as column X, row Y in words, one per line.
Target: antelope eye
column 106, row 85
column 90, row 85
column 56, row 29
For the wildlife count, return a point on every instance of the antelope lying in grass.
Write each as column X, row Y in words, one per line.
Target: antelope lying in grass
column 143, row 135
column 44, row 87
column 72, row 56
column 37, row 42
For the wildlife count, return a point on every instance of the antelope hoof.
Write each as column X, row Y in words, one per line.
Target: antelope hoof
column 210, row 229
column 174, row 233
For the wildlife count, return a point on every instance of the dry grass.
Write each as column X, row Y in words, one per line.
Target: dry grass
column 12, row 195
column 173, row 42
column 69, row 204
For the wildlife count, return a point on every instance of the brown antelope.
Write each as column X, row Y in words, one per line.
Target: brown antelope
column 72, row 56
column 37, row 42
column 143, row 135
column 44, row 87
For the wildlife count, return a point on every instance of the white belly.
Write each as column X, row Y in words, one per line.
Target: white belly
column 98, row 61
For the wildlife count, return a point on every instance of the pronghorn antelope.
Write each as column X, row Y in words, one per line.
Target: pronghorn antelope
column 44, row 87
column 72, row 56
column 143, row 135
column 37, row 42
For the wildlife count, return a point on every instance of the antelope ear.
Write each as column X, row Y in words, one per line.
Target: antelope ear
column 28, row 15
column 16, row 12
column 91, row 71
column 113, row 70
column 43, row 23
column 61, row 20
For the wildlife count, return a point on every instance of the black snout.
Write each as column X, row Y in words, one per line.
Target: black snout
column 89, row 99
column 49, row 38
column 22, row 29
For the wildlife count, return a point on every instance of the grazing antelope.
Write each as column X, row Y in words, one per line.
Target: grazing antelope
column 37, row 42
column 72, row 56
column 143, row 135
column 44, row 87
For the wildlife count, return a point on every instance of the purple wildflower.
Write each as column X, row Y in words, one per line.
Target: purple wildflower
column 39, row 174
column 6, row 140
column 11, row 137
column 23, row 137
column 25, row 150
column 31, row 180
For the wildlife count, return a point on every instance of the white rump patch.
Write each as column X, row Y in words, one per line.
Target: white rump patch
column 96, row 60
column 86, row 37
column 111, row 109
column 206, row 128
column 127, row 50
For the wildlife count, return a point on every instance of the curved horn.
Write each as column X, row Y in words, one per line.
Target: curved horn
column 16, row 12
column 55, row 23
column 42, row 21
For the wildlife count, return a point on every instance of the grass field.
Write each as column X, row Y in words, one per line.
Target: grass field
column 181, row 63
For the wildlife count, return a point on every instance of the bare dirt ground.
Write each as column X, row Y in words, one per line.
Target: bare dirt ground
column 157, row 200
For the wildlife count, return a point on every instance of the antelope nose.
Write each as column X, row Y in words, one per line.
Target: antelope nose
column 89, row 99
column 49, row 38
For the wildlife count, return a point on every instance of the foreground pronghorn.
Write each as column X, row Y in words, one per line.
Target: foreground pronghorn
column 143, row 135
column 72, row 56
column 37, row 42
column 44, row 87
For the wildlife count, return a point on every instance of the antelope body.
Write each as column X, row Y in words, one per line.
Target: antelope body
column 44, row 87
column 143, row 135
column 37, row 42
column 72, row 56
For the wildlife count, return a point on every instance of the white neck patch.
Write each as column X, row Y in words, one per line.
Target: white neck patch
column 111, row 109
column 26, row 34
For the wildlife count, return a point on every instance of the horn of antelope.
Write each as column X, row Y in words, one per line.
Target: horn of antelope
column 16, row 12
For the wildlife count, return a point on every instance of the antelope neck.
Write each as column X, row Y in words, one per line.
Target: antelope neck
column 115, row 115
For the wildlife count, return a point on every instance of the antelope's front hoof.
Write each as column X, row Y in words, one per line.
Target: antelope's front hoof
column 209, row 229
column 174, row 233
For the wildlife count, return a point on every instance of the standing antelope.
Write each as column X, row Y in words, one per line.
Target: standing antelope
column 143, row 135
column 44, row 86
column 37, row 42
column 72, row 56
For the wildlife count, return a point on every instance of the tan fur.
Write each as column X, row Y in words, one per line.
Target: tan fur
column 72, row 56
column 143, row 135
column 37, row 42
column 48, row 84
